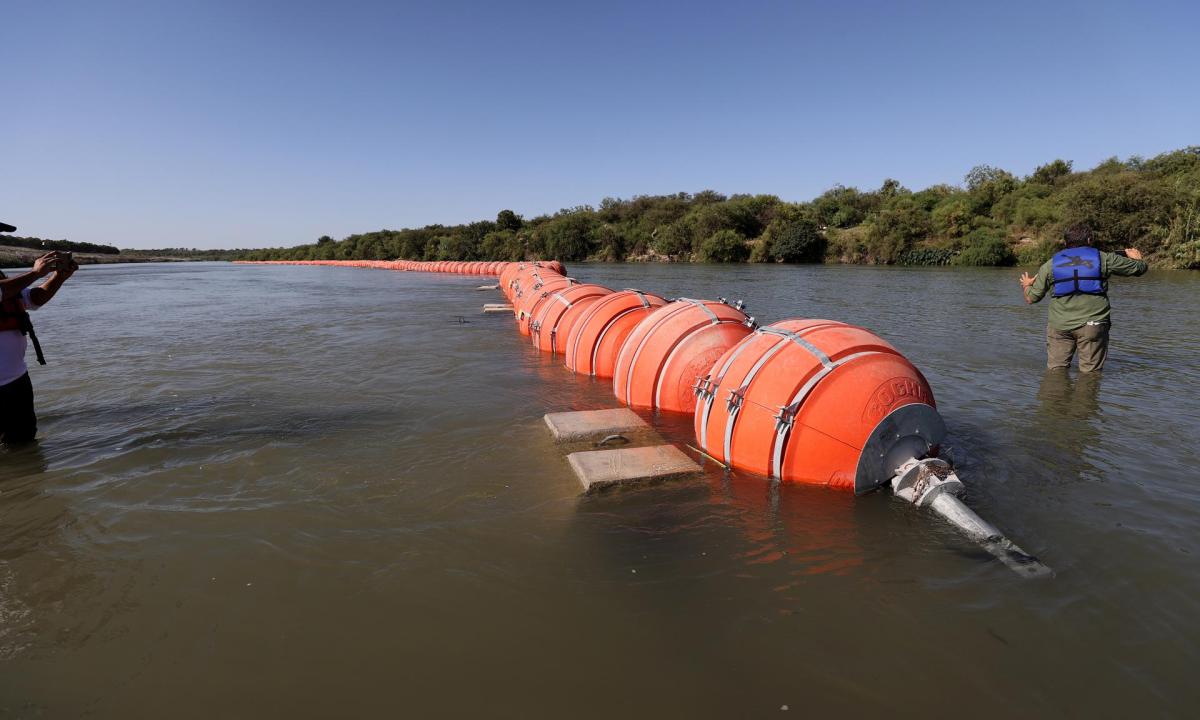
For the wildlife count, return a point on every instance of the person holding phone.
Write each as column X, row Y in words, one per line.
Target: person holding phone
column 18, row 296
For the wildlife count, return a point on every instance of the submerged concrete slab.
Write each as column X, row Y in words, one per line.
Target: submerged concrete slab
column 497, row 307
column 593, row 424
column 603, row 469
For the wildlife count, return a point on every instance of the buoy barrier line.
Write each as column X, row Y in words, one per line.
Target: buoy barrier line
column 570, row 317
column 461, row 268
column 597, row 337
column 786, row 420
column 802, row 401
column 753, row 393
column 528, row 306
column 553, row 315
column 737, row 397
column 472, row 267
column 684, row 348
column 530, row 280
column 663, row 355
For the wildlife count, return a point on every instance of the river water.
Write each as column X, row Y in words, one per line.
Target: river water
column 313, row 492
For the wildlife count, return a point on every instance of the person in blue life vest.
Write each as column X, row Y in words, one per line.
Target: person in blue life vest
column 1076, row 278
column 19, row 295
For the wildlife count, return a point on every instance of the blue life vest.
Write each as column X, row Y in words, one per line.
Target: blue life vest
column 1077, row 272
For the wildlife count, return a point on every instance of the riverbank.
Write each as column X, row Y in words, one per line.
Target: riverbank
column 17, row 257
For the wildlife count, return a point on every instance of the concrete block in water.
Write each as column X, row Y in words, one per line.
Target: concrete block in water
column 593, row 424
column 497, row 307
column 602, row 469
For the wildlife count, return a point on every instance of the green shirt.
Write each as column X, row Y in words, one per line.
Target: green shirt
column 1075, row 311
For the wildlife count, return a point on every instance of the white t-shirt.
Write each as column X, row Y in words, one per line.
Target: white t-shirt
column 12, row 347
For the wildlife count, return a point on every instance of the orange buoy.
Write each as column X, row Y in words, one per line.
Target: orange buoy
column 528, row 278
column 546, row 328
column 572, row 316
column 666, row 354
column 819, row 402
column 593, row 343
column 530, row 300
column 506, row 277
column 521, row 281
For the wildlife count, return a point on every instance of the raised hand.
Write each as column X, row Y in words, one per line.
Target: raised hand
column 46, row 264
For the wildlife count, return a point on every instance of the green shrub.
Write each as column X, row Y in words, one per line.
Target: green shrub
column 927, row 256
column 1122, row 207
column 674, row 240
column 569, row 236
column 1036, row 253
column 847, row 245
column 724, row 246
column 985, row 246
column 952, row 218
column 609, row 243
column 797, row 241
column 760, row 250
column 894, row 229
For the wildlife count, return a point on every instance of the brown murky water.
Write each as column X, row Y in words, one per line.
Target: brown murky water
column 312, row 492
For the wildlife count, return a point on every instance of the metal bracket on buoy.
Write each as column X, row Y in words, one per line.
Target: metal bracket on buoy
column 933, row 484
column 786, row 416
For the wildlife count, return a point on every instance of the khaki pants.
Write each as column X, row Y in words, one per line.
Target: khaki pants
column 1090, row 340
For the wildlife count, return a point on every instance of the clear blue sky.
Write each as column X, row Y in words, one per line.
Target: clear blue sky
column 240, row 124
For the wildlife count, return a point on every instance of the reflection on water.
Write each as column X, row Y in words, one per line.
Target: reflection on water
column 338, row 500
column 1073, row 399
column 1065, row 423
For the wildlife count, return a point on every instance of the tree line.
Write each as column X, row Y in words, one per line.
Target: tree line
column 43, row 245
column 993, row 218
column 37, row 243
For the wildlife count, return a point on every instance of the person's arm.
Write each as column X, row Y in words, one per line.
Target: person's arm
column 1033, row 288
column 1129, row 265
column 12, row 287
column 41, row 295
